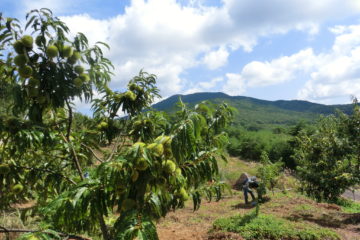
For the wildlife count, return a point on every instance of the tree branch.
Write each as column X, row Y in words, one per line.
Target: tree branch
column 103, row 227
column 113, row 150
column 47, row 170
column 92, row 151
column 70, row 120
column 76, row 160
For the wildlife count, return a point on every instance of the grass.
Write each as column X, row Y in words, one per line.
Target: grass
column 348, row 206
column 232, row 170
column 263, row 226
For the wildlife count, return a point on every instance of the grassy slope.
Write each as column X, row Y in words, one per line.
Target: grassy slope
column 290, row 206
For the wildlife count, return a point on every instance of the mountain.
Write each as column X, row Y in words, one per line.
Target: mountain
column 252, row 111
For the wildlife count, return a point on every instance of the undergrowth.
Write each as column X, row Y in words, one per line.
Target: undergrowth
column 348, row 206
column 250, row 227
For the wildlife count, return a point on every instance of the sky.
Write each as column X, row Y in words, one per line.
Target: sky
column 267, row 49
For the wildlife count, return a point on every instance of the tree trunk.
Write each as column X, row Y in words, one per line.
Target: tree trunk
column 103, row 227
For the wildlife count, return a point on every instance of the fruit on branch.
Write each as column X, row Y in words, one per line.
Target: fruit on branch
column 67, row 51
column 118, row 97
column 130, row 95
column 156, row 148
column 78, row 82
column 39, row 40
column 178, row 172
column 52, row 51
column 102, row 125
column 25, row 71
column 19, row 47
column 27, row 41
column 139, row 144
column 20, row 60
column 74, row 57
column 169, row 166
column 79, row 69
column 141, row 164
column 183, row 194
column 84, row 77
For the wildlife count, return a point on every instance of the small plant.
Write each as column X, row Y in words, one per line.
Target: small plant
column 269, row 174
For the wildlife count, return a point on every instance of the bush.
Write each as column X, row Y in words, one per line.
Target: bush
column 325, row 161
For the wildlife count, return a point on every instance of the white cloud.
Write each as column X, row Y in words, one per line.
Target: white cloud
column 338, row 72
column 332, row 76
column 216, row 59
column 278, row 70
column 235, row 84
column 210, row 84
column 167, row 38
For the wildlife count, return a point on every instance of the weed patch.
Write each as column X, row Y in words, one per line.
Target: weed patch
column 250, row 226
column 348, row 206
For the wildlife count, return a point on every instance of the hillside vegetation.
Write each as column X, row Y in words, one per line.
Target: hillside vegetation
column 254, row 112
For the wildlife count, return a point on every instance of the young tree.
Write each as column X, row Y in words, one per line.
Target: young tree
column 325, row 160
column 269, row 173
column 153, row 165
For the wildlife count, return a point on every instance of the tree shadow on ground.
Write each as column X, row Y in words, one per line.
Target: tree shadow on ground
column 224, row 236
column 351, row 218
column 243, row 206
column 325, row 220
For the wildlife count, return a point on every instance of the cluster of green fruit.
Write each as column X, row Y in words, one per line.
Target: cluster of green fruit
column 21, row 47
column 160, row 147
column 82, row 77
column 134, row 87
column 102, row 126
column 140, row 125
column 130, row 95
column 26, row 63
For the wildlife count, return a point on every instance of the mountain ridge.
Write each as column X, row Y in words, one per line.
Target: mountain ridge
column 202, row 96
column 254, row 111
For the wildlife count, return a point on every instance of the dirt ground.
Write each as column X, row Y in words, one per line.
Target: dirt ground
column 185, row 224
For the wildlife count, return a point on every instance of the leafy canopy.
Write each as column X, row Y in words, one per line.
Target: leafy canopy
column 104, row 175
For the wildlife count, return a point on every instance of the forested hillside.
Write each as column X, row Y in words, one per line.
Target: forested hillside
column 257, row 113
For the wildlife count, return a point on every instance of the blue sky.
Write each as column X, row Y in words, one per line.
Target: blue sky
column 268, row 49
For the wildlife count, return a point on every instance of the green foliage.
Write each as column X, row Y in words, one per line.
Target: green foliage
column 250, row 226
column 269, row 174
column 46, row 148
column 250, row 145
column 326, row 160
column 55, row 88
